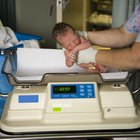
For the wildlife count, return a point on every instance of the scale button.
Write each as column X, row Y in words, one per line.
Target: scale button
column 89, row 86
column 82, row 90
column 89, row 90
column 81, row 86
column 89, row 94
column 82, row 94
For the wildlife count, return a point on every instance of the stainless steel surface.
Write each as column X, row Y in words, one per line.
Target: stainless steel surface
column 71, row 135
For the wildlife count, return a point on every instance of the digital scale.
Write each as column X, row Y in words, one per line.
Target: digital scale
column 70, row 106
column 66, row 104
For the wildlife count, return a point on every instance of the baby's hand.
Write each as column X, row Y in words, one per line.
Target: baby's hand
column 72, row 56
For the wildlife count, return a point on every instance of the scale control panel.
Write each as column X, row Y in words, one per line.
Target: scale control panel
column 72, row 90
column 54, row 96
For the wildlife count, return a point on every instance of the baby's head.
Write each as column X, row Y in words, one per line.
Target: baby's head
column 65, row 35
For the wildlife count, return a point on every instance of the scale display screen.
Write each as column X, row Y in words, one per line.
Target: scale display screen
column 80, row 90
column 64, row 89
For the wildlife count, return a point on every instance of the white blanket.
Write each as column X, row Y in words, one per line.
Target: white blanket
column 8, row 39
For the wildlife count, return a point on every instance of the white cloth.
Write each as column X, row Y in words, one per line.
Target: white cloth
column 87, row 55
column 8, row 39
column 82, row 33
column 30, row 43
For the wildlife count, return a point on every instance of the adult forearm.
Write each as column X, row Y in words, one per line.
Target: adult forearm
column 114, row 38
column 125, row 59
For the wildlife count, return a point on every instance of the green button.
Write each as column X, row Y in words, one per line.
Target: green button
column 56, row 109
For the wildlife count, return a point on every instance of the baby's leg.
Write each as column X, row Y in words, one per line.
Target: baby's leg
column 94, row 67
column 101, row 68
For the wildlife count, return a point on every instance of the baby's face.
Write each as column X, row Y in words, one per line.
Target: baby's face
column 68, row 40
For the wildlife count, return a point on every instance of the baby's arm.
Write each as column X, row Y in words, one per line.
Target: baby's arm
column 85, row 44
column 69, row 58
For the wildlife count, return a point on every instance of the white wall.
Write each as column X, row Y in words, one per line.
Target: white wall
column 33, row 17
column 122, row 9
